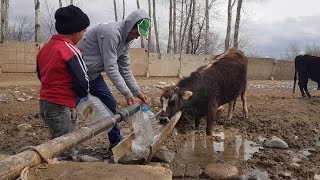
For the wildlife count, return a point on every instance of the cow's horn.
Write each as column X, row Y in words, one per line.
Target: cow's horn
column 187, row 95
column 159, row 87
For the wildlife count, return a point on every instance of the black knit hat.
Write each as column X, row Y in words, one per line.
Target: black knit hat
column 70, row 19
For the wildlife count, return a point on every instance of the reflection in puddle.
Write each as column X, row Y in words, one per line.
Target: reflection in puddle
column 218, row 146
column 227, row 147
column 247, row 148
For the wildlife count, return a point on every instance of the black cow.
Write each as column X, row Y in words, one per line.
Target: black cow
column 208, row 88
column 306, row 67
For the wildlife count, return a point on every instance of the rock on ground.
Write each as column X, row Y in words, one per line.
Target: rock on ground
column 276, row 142
column 221, row 171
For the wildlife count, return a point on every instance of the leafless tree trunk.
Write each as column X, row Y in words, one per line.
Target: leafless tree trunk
column 141, row 38
column 193, row 4
column 227, row 40
column 187, row 22
column 206, row 39
column 149, row 36
column 115, row 10
column 196, row 43
column 36, row 20
column 4, row 19
column 181, row 24
column 174, row 27
column 71, row 2
column 169, row 48
column 60, row 3
column 47, row 19
column 237, row 25
column 123, row 9
column 155, row 26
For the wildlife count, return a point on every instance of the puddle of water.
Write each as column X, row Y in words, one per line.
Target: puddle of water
column 297, row 156
column 230, row 147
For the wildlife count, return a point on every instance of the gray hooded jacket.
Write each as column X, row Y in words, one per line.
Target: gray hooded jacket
column 105, row 48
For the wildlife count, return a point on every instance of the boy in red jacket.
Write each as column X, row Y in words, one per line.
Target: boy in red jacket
column 62, row 72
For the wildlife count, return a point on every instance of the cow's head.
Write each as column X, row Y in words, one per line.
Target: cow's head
column 173, row 100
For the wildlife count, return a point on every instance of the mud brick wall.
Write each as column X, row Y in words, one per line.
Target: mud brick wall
column 18, row 56
column 21, row 57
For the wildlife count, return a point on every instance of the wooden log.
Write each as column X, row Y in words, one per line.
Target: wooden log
column 12, row 166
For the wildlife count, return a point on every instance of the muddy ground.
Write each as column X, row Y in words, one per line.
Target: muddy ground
column 273, row 111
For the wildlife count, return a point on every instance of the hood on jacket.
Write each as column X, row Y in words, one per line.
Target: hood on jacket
column 132, row 19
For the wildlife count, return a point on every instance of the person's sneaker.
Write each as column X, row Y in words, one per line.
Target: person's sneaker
column 65, row 158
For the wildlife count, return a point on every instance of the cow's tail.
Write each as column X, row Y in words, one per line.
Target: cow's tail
column 295, row 73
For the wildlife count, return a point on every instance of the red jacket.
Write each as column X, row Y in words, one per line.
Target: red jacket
column 62, row 72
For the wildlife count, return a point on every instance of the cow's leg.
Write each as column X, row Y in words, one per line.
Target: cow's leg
column 305, row 87
column 308, row 94
column 300, row 84
column 212, row 110
column 318, row 86
column 244, row 103
column 197, row 122
column 231, row 109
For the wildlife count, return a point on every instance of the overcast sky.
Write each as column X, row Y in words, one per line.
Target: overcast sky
column 271, row 25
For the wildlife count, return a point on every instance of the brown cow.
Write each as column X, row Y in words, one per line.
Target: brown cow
column 209, row 87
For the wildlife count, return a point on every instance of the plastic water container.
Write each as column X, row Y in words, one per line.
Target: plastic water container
column 142, row 122
column 91, row 109
column 148, row 114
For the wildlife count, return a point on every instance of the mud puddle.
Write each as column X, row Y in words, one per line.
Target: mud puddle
column 224, row 146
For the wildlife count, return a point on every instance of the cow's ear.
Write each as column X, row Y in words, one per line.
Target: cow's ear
column 186, row 95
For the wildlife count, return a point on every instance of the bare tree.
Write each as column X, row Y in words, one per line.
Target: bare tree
column 193, row 4
column 207, row 27
column 21, row 30
column 227, row 40
column 155, row 26
column 4, row 19
column 169, row 47
column 60, row 3
column 36, row 20
column 150, row 44
column 188, row 12
column 237, row 25
column 47, row 19
column 292, row 52
column 174, row 27
column 141, row 39
column 313, row 50
column 115, row 10
column 123, row 9
column 183, row 2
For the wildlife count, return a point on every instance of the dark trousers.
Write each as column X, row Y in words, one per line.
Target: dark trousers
column 59, row 119
column 99, row 88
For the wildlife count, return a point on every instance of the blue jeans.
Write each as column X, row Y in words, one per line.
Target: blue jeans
column 99, row 88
